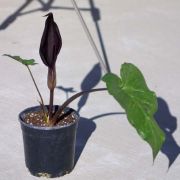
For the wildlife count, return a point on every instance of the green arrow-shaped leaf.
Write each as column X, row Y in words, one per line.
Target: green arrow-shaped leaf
column 140, row 104
column 26, row 62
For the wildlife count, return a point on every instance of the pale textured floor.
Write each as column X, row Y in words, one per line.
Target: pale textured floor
column 146, row 33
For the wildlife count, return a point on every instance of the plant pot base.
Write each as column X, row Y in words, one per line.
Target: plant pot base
column 47, row 175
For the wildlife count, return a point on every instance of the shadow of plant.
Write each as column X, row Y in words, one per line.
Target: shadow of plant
column 89, row 82
column 47, row 5
column 66, row 90
column 168, row 124
column 85, row 129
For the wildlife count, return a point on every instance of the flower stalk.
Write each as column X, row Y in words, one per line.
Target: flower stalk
column 50, row 47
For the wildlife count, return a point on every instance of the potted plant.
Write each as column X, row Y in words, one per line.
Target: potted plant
column 49, row 131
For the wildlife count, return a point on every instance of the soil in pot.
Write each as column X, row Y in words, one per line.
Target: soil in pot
column 36, row 119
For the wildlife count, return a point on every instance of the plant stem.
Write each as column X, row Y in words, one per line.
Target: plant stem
column 42, row 102
column 72, row 98
column 51, row 102
column 51, row 81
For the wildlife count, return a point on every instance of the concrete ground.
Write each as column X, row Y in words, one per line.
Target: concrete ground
column 146, row 33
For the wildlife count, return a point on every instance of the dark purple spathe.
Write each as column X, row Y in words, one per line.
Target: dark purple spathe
column 51, row 42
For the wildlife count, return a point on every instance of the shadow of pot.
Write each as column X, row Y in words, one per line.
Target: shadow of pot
column 49, row 151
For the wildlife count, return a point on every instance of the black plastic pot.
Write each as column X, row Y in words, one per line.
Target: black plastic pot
column 49, row 151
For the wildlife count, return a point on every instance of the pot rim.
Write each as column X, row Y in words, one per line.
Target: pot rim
column 20, row 118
